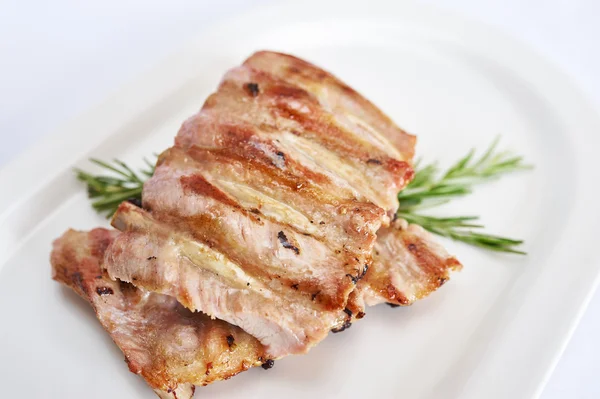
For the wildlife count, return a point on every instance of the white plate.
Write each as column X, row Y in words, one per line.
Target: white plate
column 495, row 331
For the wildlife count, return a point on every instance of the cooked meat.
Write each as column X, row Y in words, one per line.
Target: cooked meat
column 349, row 108
column 173, row 349
column 407, row 265
column 271, row 214
column 265, row 212
column 169, row 346
column 203, row 279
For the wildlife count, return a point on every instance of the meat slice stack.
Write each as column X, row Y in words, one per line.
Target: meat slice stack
column 265, row 212
column 273, row 213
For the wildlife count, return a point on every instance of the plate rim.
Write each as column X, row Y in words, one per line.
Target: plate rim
column 25, row 183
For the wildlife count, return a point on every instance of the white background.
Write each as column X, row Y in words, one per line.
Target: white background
column 59, row 58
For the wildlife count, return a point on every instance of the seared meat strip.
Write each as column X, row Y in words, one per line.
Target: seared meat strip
column 407, row 265
column 169, row 346
column 202, row 278
column 265, row 212
column 349, row 108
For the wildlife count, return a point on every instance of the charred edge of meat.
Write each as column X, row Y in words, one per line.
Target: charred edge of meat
column 209, row 367
column 364, row 271
column 286, row 244
column 360, row 315
column 104, row 291
column 374, row 161
column 356, row 279
column 135, row 201
column 347, row 324
column 442, row 280
column 268, row 364
column 151, row 258
column 230, row 340
column 252, row 89
column 392, row 305
column 353, row 278
column 280, row 155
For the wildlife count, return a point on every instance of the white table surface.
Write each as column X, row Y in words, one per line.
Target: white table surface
column 60, row 58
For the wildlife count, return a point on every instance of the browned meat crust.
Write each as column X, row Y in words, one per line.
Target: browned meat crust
column 264, row 214
column 270, row 201
column 407, row 265
column 172, row 348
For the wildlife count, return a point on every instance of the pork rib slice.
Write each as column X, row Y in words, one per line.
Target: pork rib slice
column 349, row 107
column 408, row 264
column 172, row 348
column 265, row 212
column 153, row 255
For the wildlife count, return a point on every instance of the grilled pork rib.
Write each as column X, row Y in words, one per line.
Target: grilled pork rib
column 407, row 265
column 264, row 213
column 271, row 212
column 172, row 348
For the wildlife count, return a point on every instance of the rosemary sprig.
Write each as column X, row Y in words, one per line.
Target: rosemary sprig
column 429, row 189
column 109, row 191
column 460, row 228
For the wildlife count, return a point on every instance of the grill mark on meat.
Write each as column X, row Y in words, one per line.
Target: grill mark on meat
column 295, row 176
column 197, row 184
column 286, row 244
column 340, row 169
column 190, row 225
column 279, row 180
column 314, row 79
column 291, row 103
column 144, row 325
column 275, row 177
column 333, row 137
column 365, row 126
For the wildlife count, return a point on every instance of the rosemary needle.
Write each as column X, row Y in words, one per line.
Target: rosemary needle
column 107, row 191
column 430, row 188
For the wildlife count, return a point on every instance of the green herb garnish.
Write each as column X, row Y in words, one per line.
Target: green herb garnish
column 430, row 189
